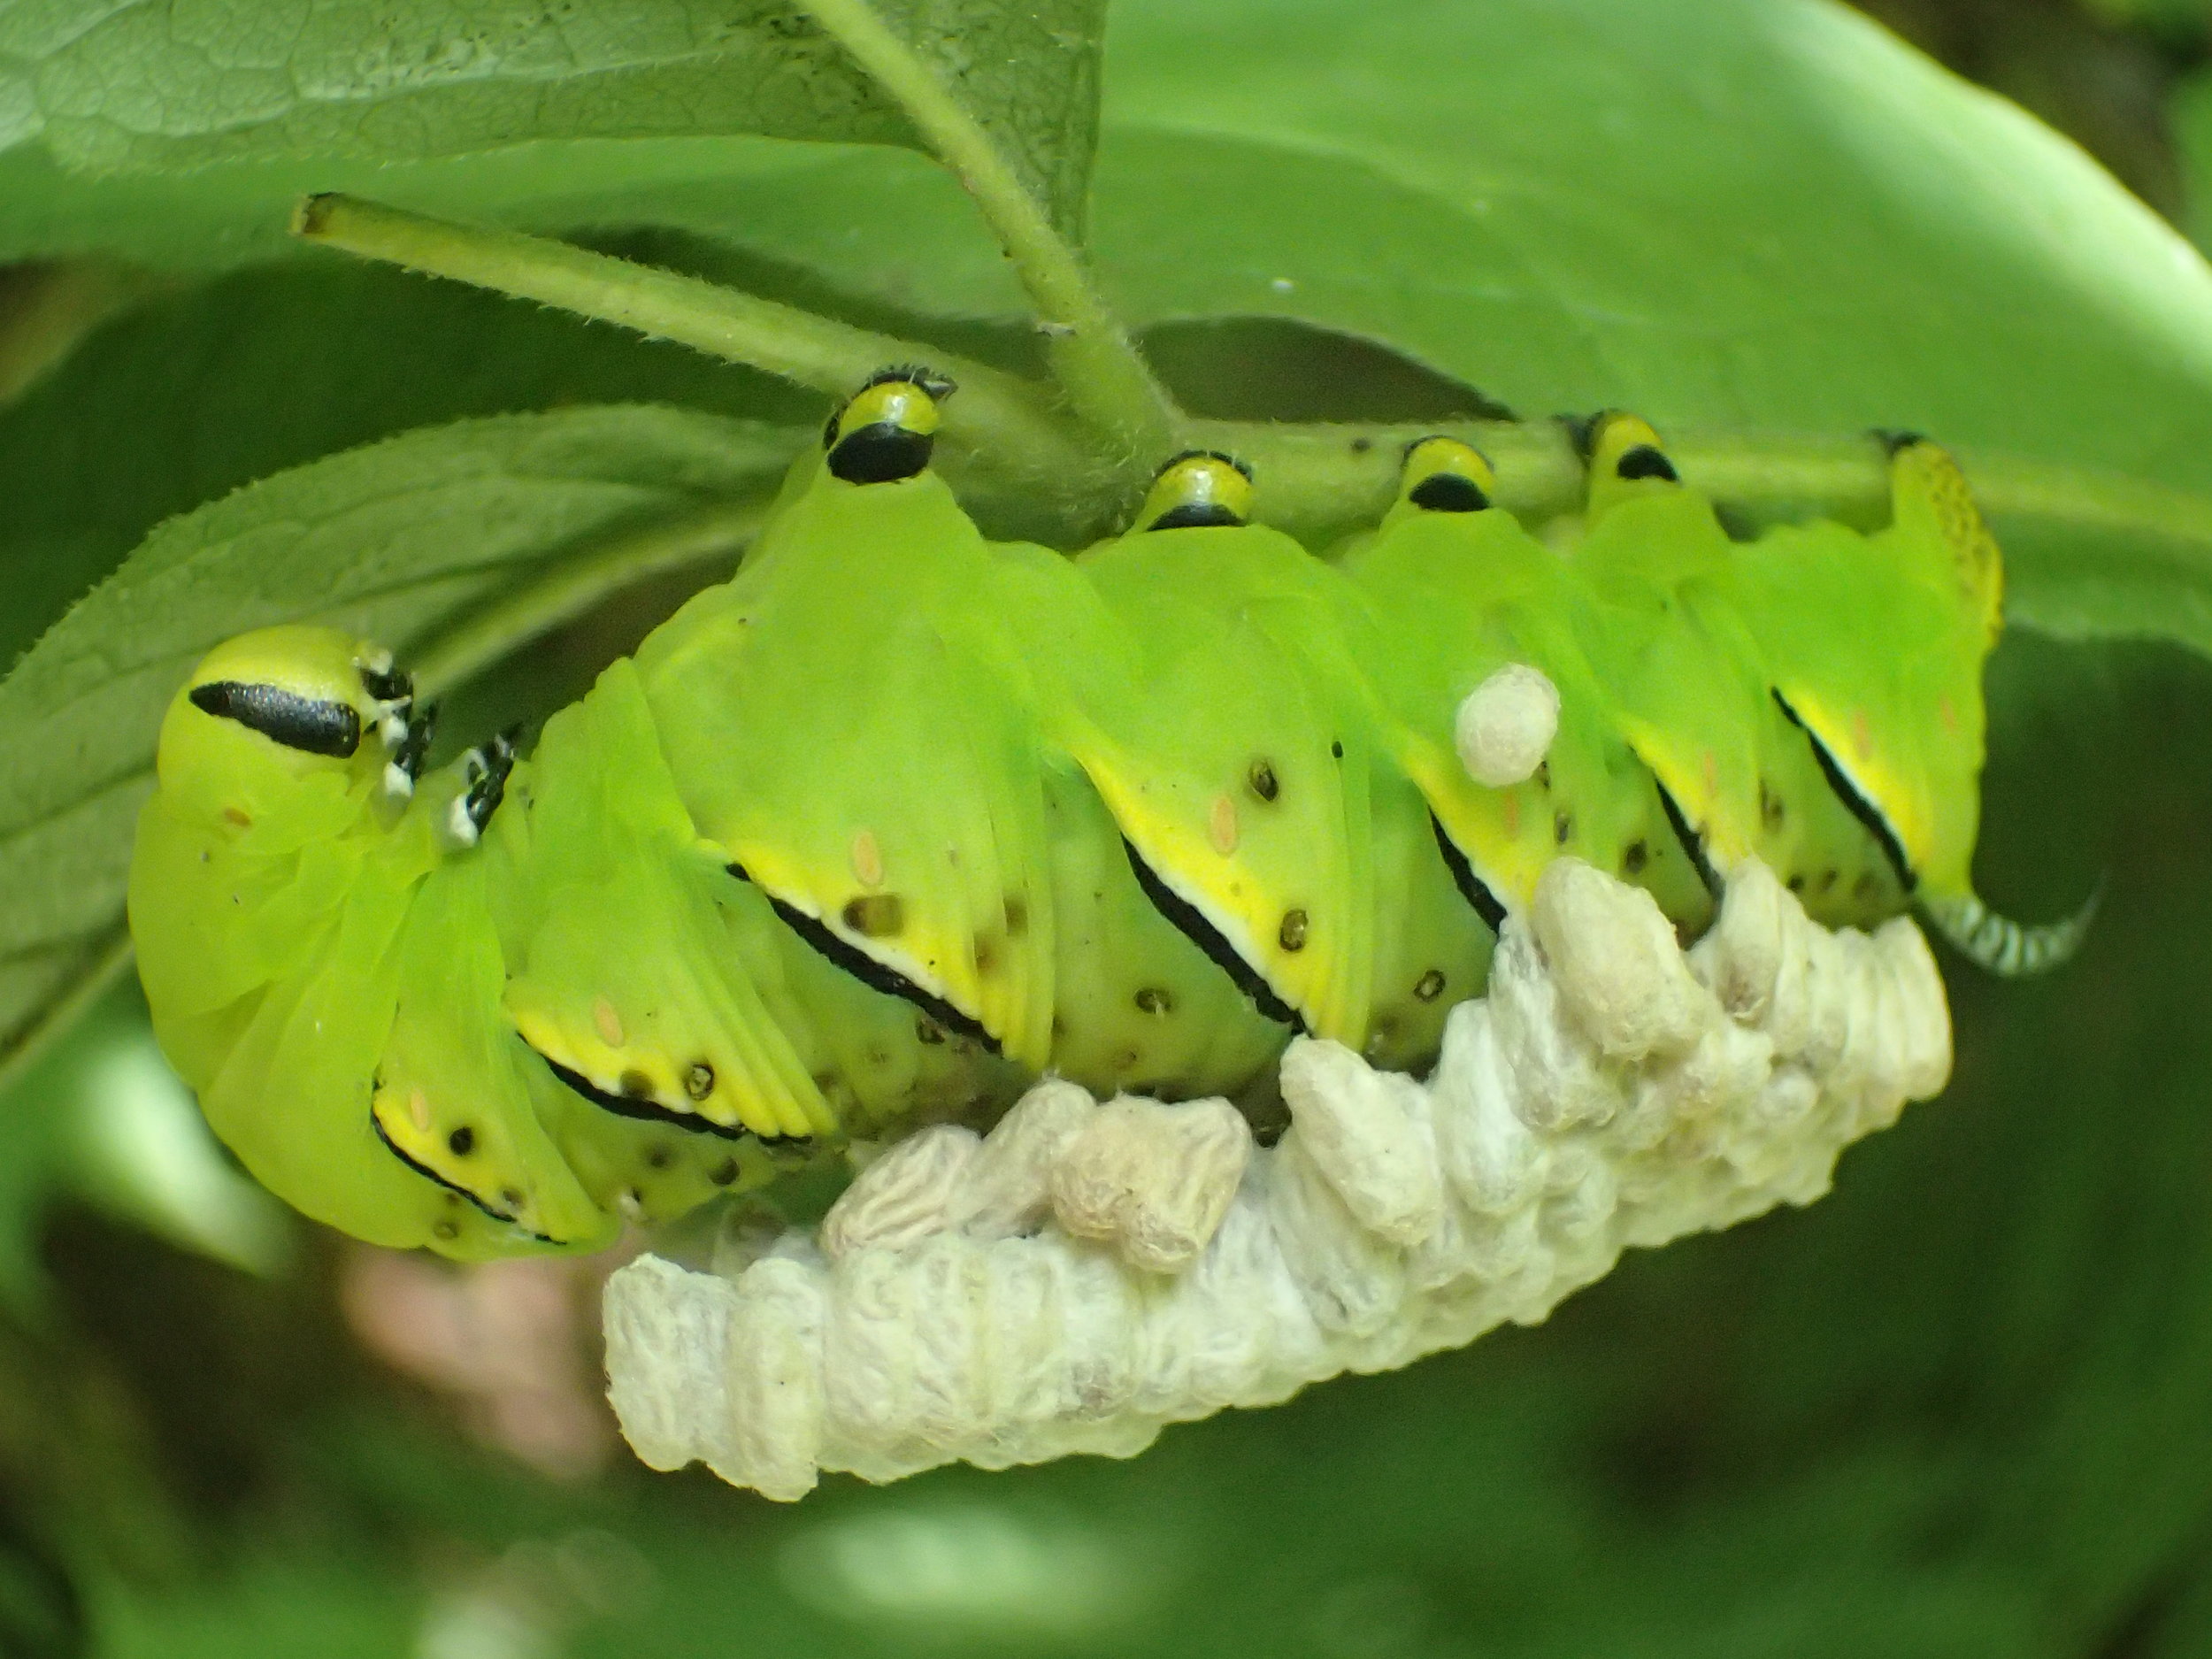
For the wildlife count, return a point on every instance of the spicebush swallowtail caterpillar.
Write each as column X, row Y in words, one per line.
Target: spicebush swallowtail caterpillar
column 898, row 818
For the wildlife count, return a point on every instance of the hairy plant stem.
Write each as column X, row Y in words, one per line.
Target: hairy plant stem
column 1107, row 381
column 1002, row 422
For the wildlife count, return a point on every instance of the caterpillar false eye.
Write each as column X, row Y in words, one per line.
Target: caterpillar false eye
column 840, row 848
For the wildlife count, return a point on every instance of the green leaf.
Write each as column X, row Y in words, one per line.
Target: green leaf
column 480, row 534
column 204, row 390
column 2189, row 114
column 143, row 87
column 1726, row 214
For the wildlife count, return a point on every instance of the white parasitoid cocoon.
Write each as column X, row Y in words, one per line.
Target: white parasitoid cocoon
column 1084, row 1274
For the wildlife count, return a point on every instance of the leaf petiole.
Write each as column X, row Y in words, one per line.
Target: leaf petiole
column 1107, row 381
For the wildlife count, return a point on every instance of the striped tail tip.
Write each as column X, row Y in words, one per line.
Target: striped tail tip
column 2010, row 949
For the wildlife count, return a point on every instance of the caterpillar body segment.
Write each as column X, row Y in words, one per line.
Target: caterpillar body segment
column 899, row 818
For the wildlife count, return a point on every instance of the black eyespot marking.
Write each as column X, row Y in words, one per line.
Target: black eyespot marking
column 1643, row 462
column 462, row 1140
column 1464, row 877
column 1261, row 779
column 1201, row 515
column 1543, row 776
column 1361, row 446
column 1854, row 803
column 1336, row 751
column 883, row 452
column 876, row 976
column 1193, row 926
column 650, row 1111
column 1693, row 844
column 1152, row 1000
column 927, row 1030
column 1636, row 857
column 875, row 915
column 699, row 1080
column 1017, row 912
column 636, row 1086
column 1866, row 888
column 1430, row 986
column 1797, row 883
column 723, row 1174
column 1291, row 935
column 1448, row 492
column 1563, row 828
column 659, row 1158
column 308, row 723
column 1197, row 515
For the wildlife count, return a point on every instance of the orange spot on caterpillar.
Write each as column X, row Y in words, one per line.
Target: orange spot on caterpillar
column 1861, row 735
column 418, row 1111
column 608, row 1021
column 1221, row 825
column 867, row 859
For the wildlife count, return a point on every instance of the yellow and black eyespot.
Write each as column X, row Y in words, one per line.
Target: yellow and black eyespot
column 1199, row 489
column 1624, row 447
column 1444, row 475
column 885, row 432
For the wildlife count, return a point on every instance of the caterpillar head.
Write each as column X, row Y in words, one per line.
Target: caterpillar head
column 289, row 725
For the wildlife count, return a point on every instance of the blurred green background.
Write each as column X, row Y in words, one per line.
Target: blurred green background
column 1961, row 1406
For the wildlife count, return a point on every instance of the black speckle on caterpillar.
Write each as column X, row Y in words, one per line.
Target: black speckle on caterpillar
column 1249, row 794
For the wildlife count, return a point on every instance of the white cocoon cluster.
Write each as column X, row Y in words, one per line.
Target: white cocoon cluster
column 1087, row 1274
column 1505, row 726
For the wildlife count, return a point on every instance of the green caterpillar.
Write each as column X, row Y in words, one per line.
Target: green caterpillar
column 899, row 818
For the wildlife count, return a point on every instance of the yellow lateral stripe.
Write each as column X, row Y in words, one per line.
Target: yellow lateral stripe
column 1508, row 865
column 1883, row 786
column 785, row 880
column 1226, row 892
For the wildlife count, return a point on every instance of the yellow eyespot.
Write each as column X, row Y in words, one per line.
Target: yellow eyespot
column 903, row 398
column 1445, row 475
column 1198, row 490
column 884, row 434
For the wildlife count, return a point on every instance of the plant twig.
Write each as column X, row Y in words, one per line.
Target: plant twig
column 996, row 413
column 1107, row 382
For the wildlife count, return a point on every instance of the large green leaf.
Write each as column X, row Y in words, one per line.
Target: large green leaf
column 492, row 526
column 1754, row 214
column 157, row 88
column 200, row 392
